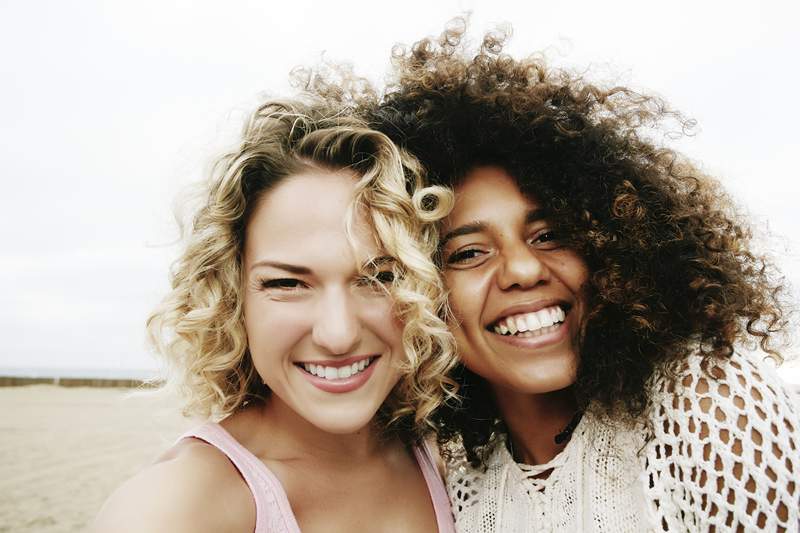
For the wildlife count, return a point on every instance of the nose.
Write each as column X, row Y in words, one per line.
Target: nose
column 337, row 327
column 521, row 268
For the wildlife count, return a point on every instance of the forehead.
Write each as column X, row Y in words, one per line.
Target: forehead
column 487, row 193
column 303, row 219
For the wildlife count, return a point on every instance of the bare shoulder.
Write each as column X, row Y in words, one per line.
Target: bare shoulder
column 194, row 487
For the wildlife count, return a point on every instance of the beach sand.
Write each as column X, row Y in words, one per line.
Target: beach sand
column 64, row 450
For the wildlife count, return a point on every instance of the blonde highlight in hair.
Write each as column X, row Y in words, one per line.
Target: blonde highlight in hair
column 199, row 327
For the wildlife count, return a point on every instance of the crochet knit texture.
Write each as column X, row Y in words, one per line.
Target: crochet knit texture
column 718, row 450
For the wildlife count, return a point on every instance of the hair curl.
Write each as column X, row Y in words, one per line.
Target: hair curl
column 671, row 270
column 199, row 327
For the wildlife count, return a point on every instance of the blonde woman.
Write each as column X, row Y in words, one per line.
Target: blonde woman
column 304, row 317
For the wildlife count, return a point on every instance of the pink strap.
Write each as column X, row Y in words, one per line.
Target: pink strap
column 273, row 512
column 441, row 502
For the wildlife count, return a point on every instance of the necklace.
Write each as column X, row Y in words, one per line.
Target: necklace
column 559, row 439
column 566, row 433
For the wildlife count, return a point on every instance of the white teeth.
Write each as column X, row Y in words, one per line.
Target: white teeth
column 330, row 372
column 526, row 324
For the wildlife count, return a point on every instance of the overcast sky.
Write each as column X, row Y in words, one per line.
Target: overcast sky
column 109, row 109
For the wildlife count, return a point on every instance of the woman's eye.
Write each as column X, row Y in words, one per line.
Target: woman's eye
column 286, row 284
column 381, row 278
column 547, row 239
column 464, row 256
column 386, row 277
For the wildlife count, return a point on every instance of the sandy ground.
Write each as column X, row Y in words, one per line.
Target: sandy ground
column 64, row 450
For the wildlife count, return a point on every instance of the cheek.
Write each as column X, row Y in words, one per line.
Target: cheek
column 455, row 295
column 577, row 281
column 380, row 318
column 471, row 358
column 466, row 296
column 273, row 327
column 574, row 271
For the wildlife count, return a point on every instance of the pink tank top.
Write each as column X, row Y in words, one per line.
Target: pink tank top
column 273, row 512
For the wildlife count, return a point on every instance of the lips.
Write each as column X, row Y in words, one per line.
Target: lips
column 341, row 375
column 338, row 370
column 529, row 322
column 533, row 317
column 544, row 337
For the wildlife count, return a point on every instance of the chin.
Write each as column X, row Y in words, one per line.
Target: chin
column 543, row 386
column 343, row 423
column 542, row 381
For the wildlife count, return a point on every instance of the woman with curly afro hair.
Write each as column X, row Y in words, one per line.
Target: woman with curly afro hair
column 601, row 292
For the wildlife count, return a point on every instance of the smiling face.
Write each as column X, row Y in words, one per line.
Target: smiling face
column 322, row 336
column 514, row 290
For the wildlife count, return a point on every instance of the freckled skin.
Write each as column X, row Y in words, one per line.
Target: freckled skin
column 510, row 259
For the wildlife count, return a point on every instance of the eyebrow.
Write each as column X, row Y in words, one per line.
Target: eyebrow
column 534, row 215
column 294, row 269
column 466, row 229
column 305, row 271
column 377, row 261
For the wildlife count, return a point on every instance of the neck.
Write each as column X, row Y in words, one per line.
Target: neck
column 272, row 430
column 533, row 421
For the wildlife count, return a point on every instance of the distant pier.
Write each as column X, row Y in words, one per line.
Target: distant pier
column 79, row 377
column 16, row 381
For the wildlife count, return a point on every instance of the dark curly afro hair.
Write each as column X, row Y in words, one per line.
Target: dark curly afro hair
column 671, row 269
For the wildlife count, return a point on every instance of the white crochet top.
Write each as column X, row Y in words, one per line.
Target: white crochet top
column 717, row 454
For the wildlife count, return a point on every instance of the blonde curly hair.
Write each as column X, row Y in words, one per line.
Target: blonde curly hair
column 199, row 328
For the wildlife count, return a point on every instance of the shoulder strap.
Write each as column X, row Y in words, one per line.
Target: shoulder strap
column 439, row 497
column 273, row 512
